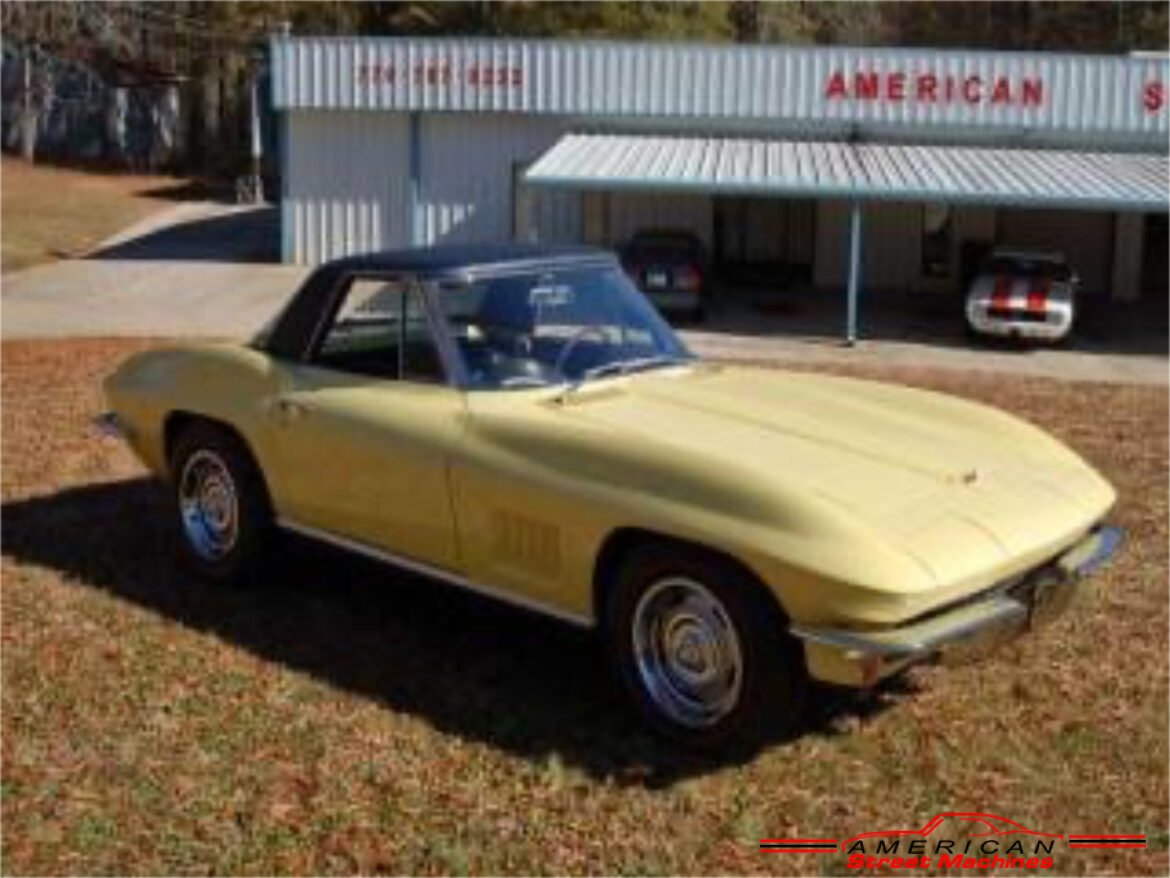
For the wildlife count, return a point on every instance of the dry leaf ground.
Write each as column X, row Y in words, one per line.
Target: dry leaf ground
column 50, row 213
column 349, row 719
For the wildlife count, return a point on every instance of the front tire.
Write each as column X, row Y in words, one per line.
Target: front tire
column 220, row 505
column 702, row 650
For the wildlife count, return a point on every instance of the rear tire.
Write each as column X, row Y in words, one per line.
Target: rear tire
column 702, row 650
column 220, row 507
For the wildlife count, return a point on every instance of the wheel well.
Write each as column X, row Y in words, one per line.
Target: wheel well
column 619, row 543
column 176, row 422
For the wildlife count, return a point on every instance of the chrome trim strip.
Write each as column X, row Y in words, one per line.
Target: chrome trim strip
column 1001, row 612
column 971, row 617
column 1109, row 540
column 424, row 569
column 601, row 259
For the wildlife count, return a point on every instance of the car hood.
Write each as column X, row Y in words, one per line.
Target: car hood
column 960, row 487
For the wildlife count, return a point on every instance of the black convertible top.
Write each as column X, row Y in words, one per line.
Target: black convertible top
column 292, row 332
column 444, row 258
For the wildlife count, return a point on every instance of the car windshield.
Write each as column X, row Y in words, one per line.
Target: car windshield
column 555, row 327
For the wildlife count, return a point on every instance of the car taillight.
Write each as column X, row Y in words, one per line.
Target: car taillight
column 688, row 278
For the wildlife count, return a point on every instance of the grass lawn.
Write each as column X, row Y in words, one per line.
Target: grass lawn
column 348, row 719
column 50, row 213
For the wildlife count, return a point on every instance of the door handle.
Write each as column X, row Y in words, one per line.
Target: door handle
column 290, row 409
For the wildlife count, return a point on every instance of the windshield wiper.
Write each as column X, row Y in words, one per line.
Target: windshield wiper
column 526, row 381
column 623, row 367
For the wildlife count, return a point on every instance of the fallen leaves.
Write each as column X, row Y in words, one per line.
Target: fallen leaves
column 349, row 720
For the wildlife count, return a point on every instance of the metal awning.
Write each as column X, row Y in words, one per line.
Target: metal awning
column 1036, row 178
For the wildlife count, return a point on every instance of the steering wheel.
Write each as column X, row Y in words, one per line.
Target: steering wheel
column 595, row 329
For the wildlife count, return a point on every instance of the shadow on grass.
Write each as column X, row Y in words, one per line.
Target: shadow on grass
column 245, row 236
column 196, row 189
column 467, row 665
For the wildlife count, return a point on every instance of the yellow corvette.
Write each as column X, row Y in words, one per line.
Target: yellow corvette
column 519, row 421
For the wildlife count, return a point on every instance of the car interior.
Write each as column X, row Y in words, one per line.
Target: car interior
column 381, row 331
column 511, row 331
column 521, row 330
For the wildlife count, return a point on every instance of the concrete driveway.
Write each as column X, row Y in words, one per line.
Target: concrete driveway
column 198, row 269
column 143, row 298
column 208, row 270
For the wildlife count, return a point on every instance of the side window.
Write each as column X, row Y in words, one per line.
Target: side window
column 381, row 330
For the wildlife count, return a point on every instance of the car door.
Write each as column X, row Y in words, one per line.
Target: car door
column 364, row 428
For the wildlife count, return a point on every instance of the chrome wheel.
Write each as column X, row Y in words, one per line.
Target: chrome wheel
column 209, row 505
column 687, row 652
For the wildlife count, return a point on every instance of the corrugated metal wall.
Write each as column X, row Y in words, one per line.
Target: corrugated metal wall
column 1082, row 97
column 470, row 165
column 756, row 230
column 348, row 182
column 891, row 245
column 631, row 211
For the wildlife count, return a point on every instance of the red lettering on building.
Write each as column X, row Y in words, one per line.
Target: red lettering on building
column 1002, row 93
column 931, row 88
column 866, row 86
column 927, row 85
column 1153, row 96
column 836, row 87
column 896, row 86
column 1032, row 92
column 973, row 89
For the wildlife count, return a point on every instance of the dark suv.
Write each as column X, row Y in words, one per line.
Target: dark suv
column 670, row 266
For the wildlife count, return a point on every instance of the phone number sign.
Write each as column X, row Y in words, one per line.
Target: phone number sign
column 440, row 73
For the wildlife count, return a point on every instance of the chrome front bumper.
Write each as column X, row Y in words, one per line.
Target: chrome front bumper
column 861, row 658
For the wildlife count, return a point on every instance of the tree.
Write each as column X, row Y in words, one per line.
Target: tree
column 1067, row 27
column 523, row 18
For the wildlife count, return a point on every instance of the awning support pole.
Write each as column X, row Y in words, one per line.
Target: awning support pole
column 854, row 273
column 416, row 223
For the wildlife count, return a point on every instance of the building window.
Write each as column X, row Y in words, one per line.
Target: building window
column 937, row 225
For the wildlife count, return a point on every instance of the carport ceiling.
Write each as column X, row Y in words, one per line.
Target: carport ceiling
column 861, row 171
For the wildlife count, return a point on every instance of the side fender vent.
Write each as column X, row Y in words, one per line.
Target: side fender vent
column 525, row 542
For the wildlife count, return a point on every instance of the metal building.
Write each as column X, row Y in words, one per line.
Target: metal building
column 847, row 166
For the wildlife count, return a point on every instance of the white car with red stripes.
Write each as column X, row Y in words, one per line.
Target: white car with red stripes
column 1023, row 294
